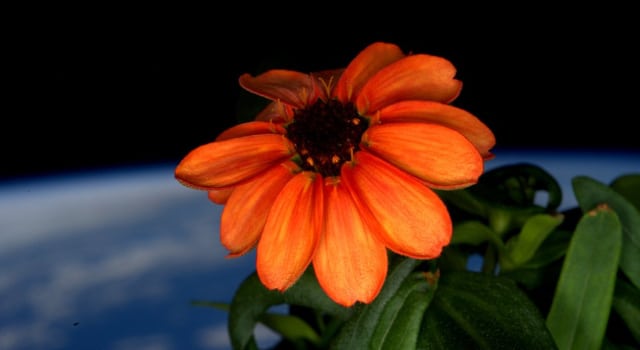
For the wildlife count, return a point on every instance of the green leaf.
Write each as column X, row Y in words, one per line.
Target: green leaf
column 629, row 187
column 626, row 302
column 307, row 292
column 475, row 232
column 582, row 301
column 506, row 196
column 479, row 311
column 252, row 299
column 552, row 249
column 521, row 248
column 359, row 329
column 453, row 257
column 248, row 305
column 516, row 185
column 591, row 193
column 464, row 200
column 399, row 323
column 290, row 327
column 534, row 278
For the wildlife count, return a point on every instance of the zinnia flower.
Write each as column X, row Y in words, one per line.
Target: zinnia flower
column 339, row 168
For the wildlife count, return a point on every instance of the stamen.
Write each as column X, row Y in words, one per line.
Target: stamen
column 327, row 85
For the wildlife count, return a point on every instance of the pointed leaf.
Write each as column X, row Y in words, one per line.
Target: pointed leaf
column 249, row 303
column 464, row 200
column 582, row 301
column 399, row 323
column 626, row 302
column 474, row 233
column 552, row 249
column 307, row 292
column 479, row 311
column 290, row 327
column 591, row 193
column 359, row 329
column 524, row 246
column 252, row 300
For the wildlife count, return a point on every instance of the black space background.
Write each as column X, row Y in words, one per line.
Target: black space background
column 102, row 87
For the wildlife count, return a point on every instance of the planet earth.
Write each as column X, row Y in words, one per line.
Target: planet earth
column 112, row 259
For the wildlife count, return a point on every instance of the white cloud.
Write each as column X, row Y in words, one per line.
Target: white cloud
column 35, row 335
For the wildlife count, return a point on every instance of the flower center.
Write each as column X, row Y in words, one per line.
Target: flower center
column 326, row 134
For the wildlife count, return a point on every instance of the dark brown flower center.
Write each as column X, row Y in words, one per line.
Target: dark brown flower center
column 326, row 134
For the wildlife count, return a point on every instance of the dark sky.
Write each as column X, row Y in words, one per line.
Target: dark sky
column 98, row 89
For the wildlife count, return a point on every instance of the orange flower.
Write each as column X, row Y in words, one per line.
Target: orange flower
column 338, row 168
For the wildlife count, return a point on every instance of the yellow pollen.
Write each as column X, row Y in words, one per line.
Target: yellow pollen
column 355, row 121
column 309, row 161
column 335, row 159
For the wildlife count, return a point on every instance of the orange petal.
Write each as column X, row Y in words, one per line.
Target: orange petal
column 225, row 163
column 443, row 114
column 350, row 262
column 251, row 128
column 245, row 214
column 415, row 77
column 432, row 152
column 291, row 233
column 413, row 220
column 291, row 87
column 220, row 196
column 367, row 63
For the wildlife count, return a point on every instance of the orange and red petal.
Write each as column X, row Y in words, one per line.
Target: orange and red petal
column 220, row 195
column 291, row 232
column 413, row 220
column 291, row 87
column 245, row 214
column 431, row 152
column 226, row 163
column 251, row 128
column 366, row 64
column 350, row 262
column 415, row 77
column 443, row 114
